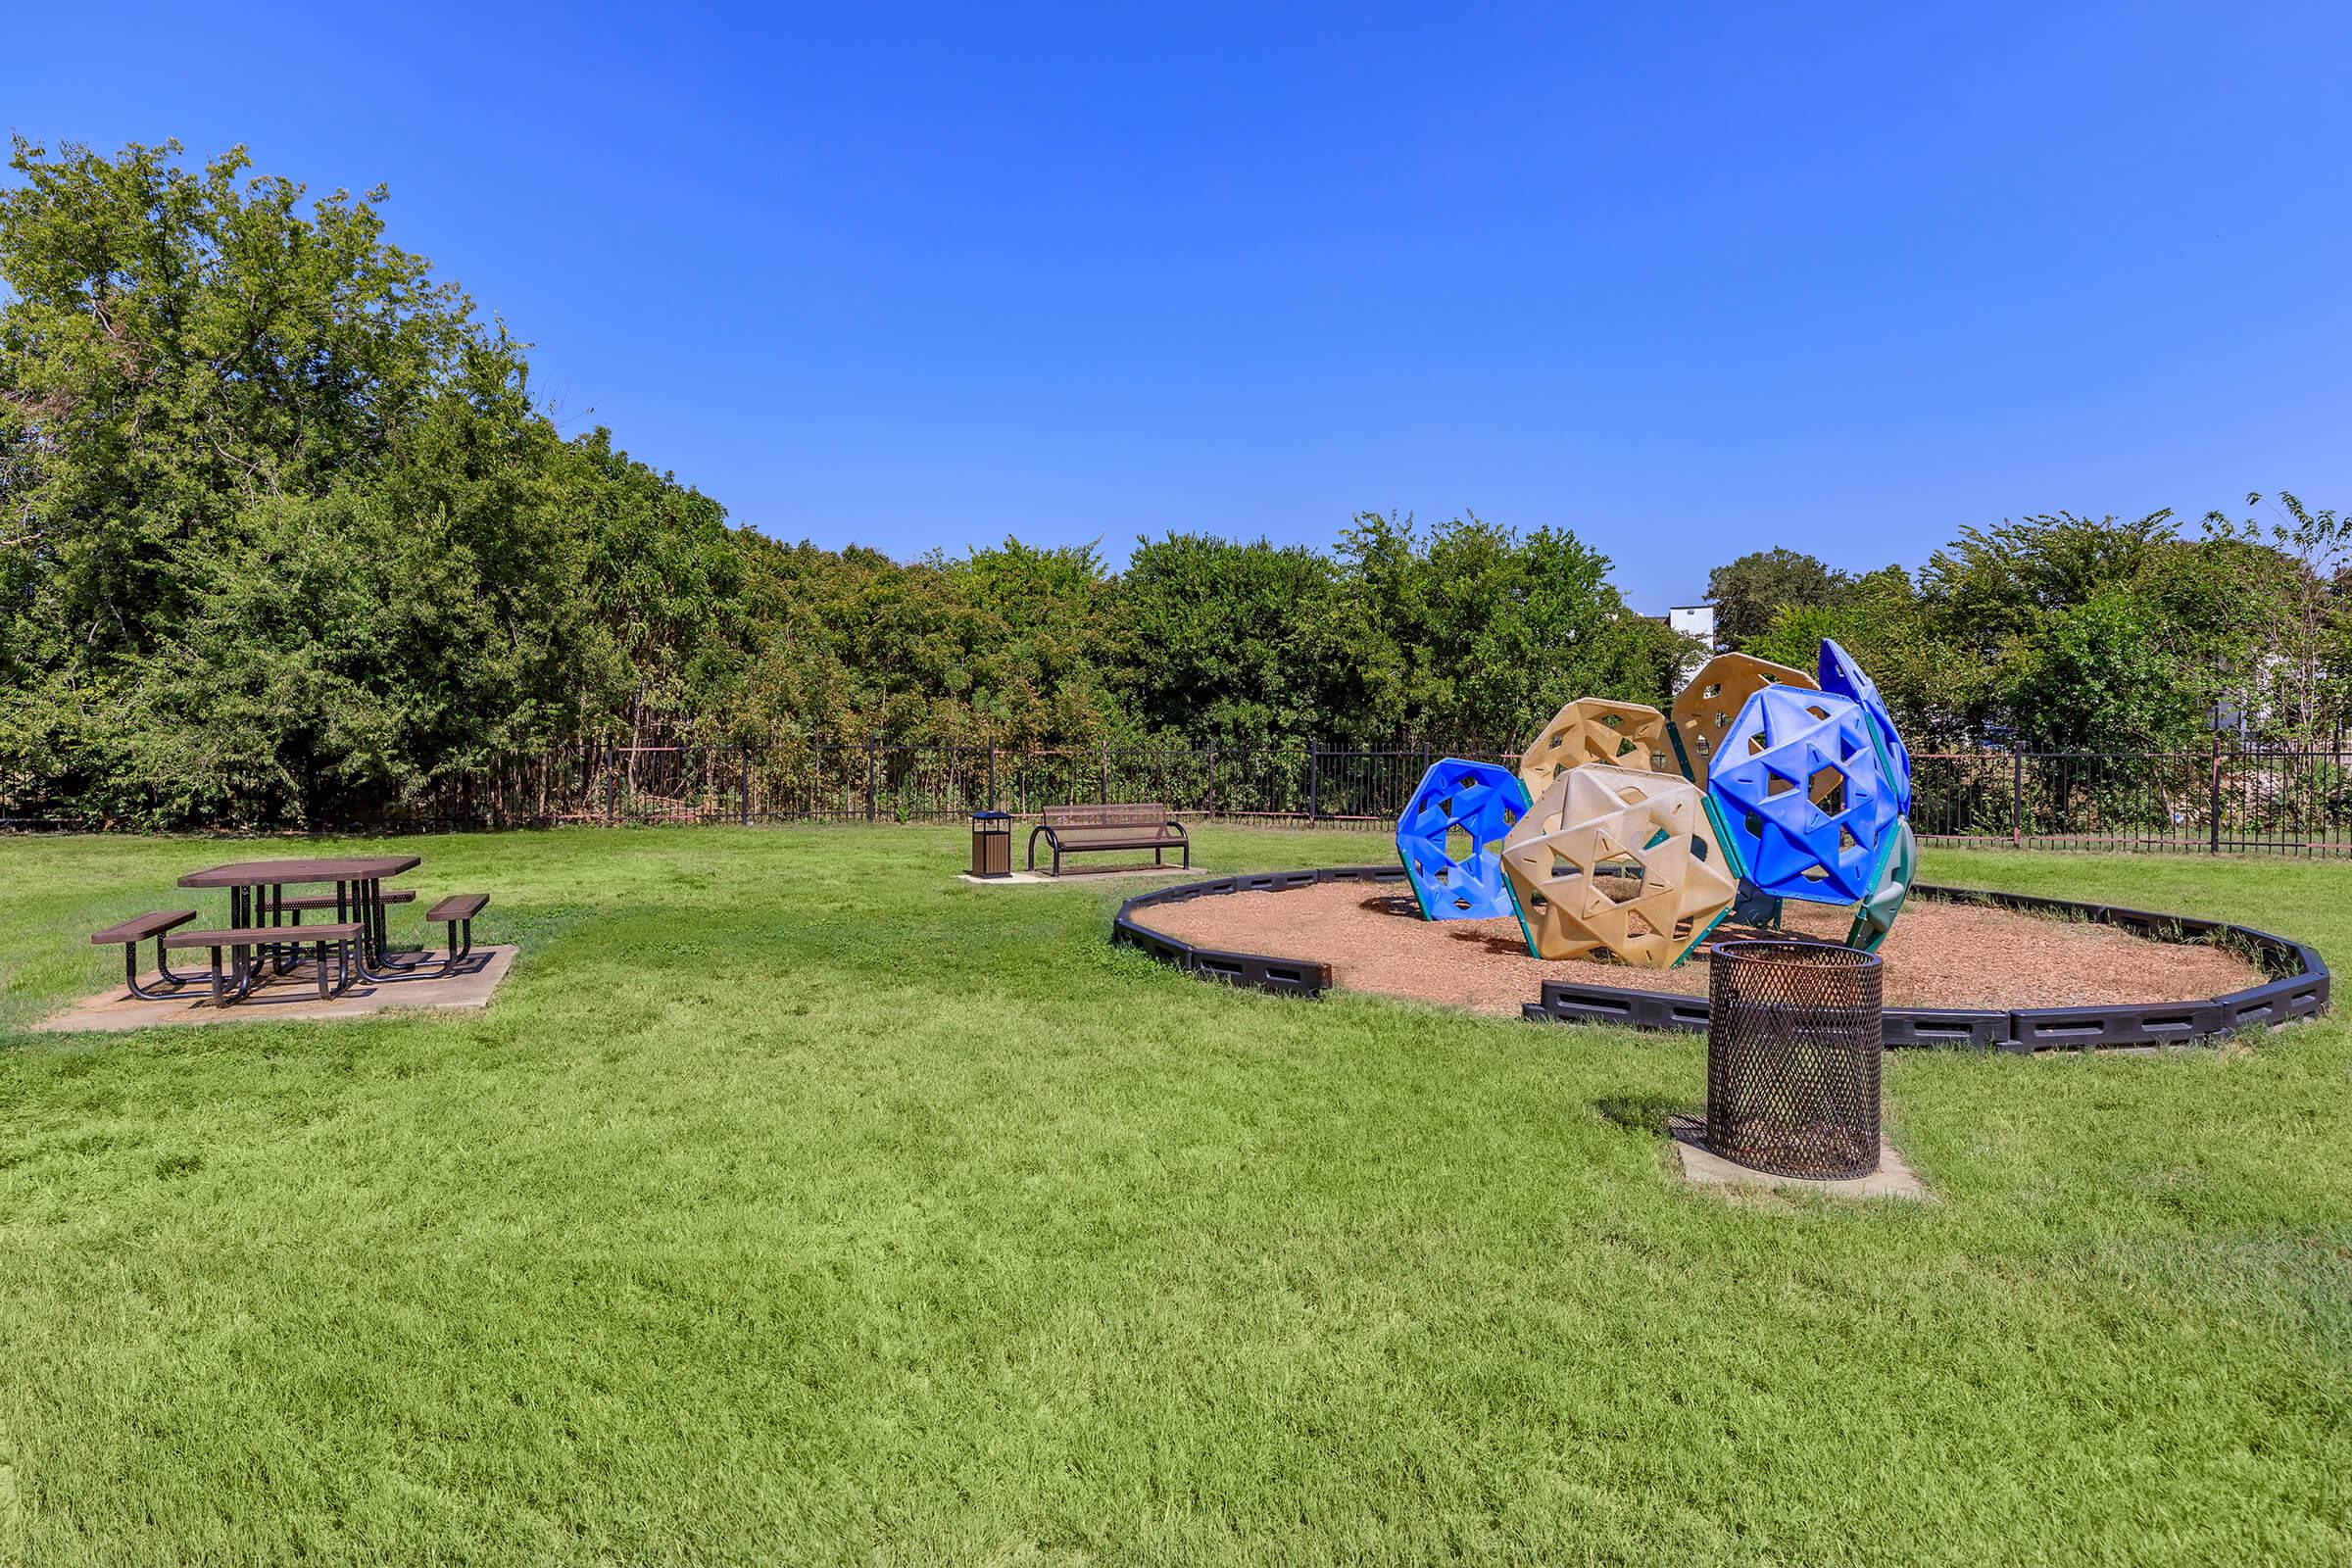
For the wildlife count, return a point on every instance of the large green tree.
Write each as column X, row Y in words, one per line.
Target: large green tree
column 287, row 536
column 2064, row 631
column 1749, row 592
column 1474, row 632
column 1226, row 642
column 2291, row 576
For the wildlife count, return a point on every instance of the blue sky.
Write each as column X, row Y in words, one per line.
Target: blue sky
column 1687, row 279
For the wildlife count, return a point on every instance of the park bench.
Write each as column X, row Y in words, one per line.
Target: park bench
column 1087, row 829
column 240, row 941
column 130, row 933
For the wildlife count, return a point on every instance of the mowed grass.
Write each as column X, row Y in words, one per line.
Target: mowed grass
column 795, row 1203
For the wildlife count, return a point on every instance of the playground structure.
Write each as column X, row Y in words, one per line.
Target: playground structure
column 1767, row 798
column 1451, row 836
column 1635, row 832
column 1619, row 858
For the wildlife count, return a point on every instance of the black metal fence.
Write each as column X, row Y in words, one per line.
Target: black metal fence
column 2227, row 798
column 880, row 781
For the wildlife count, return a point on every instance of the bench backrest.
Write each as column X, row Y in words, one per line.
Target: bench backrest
column 1126, row 814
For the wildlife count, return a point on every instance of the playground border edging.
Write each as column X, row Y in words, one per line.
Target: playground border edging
column 2298, row 987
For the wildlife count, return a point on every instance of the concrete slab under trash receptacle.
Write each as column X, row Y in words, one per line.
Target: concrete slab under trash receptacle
column 1702, row 1166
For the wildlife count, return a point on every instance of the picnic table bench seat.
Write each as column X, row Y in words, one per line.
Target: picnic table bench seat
column 135, row 930
column 456, row 911
column 138, row 928
column 458, row 906
column 1086, row 829
column 237, row 939
column 328, row 900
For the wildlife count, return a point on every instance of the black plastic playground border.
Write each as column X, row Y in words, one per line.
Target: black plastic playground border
column 2297, row 989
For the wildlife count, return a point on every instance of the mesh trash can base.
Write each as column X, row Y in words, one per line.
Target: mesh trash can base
column 1795, row 1036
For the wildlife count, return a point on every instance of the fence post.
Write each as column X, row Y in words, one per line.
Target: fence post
column 991, row 772
column 612, row 783
column 1106, row 773
column 743, row 755
column 1314, row 781
column 2017, row 792
column 871, row 741
column 1212, row 778
column 2213, row 841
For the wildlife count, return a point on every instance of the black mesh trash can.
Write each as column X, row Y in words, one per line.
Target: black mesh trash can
column 1794, row 1038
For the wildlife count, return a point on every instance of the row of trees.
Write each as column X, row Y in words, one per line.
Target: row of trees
column 285, row 534
column 2069, row 633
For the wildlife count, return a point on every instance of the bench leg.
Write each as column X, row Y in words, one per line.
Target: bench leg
column 163, row 972
column 380, row 923
column 281, row 957
column 243, row 961
column 343, row 967
column 371, row 958
column 457, row 946
column 375, row 960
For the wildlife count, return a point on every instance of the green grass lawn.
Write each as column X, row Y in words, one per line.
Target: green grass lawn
column 795, row 1203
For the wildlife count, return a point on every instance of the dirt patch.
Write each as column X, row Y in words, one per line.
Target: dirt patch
column 1939, row 955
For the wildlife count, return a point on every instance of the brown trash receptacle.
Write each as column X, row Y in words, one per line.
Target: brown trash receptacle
column 1794, row 1035
column 992, row 844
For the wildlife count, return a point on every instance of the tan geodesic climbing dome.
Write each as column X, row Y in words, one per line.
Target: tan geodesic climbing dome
column 1594, row 729
column 1619, row 858
column 1707, row 706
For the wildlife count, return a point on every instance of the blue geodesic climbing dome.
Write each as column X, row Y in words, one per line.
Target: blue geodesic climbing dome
column 1841, row 675
column 1805, row 796
column 1450, row 839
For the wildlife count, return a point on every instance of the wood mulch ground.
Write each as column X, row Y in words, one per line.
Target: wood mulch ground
column 1937, row 955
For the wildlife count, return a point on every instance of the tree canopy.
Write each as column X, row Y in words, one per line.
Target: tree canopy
column 285, row 535
column 284, row 532
column 2073, row 633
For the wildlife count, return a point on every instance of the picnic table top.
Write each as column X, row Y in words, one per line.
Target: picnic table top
column 287, row 873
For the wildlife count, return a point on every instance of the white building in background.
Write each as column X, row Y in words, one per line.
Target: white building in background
column 1693, row 621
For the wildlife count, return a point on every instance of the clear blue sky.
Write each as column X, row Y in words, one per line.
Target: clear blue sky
column 1686, row 279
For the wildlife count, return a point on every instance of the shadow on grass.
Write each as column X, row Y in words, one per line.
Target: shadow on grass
column 1640, row 1113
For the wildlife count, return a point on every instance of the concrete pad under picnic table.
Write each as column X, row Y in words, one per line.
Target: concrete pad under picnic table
column 287, row 999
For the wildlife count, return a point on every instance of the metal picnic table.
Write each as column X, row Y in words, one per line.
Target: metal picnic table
column 257, row 893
